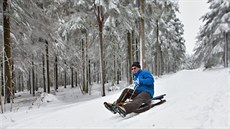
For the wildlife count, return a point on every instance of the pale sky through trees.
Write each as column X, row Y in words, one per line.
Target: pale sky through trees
column 190, row 13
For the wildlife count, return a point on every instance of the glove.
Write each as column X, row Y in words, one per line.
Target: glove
column 136, row 82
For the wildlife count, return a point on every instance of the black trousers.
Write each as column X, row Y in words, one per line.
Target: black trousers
column 137, row 99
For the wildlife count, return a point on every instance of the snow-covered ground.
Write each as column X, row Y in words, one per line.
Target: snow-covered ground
column 197, row 99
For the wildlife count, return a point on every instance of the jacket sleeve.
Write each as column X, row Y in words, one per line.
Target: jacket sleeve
column 146, row 79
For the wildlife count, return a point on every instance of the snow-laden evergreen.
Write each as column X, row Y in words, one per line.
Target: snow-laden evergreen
column 62, row 42
column 55, row 50
column 213, row 43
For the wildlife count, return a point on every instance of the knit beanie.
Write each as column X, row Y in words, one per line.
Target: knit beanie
column 137, row 64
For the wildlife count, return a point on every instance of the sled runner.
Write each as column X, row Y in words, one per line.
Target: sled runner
column 155, row 101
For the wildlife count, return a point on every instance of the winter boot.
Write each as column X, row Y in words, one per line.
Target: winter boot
column 121, row 110
column 110, row 107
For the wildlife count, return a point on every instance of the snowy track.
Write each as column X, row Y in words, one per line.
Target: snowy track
column 195, row 99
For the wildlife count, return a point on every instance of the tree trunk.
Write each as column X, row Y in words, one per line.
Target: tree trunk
column 89, row 73
column 36, row 79
column 29, row 83
column 1, row 104
column 76, row 78
column 22, row 80
column 118, row 72
column 65, row 81
column 33, row 78
column 86, row 65
column 2, row 83
column 89, row 77
column 1, row 92
column 72, row 84
column 130, row 57
column 56, row 72
column 83, row 65
column 44, row 73
column 158, row 52
column 47, row 67
column 226, row 50
column 136, row 51
column 133, row 45
column 13, row 80
column 114, row 70
column 7, row 51
column 100, row 20
column 18, row 82
column 142, row 35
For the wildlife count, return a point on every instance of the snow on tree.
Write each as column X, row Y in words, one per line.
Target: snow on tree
column 56, row 42
column 213, row 39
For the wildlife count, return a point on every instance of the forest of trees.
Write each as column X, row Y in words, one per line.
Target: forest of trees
column 213, row 40
column 52, row 43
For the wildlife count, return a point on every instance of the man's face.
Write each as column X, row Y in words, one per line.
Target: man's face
column 135, row 69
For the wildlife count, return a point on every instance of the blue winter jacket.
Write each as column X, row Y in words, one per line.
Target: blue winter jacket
column 146, row 81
